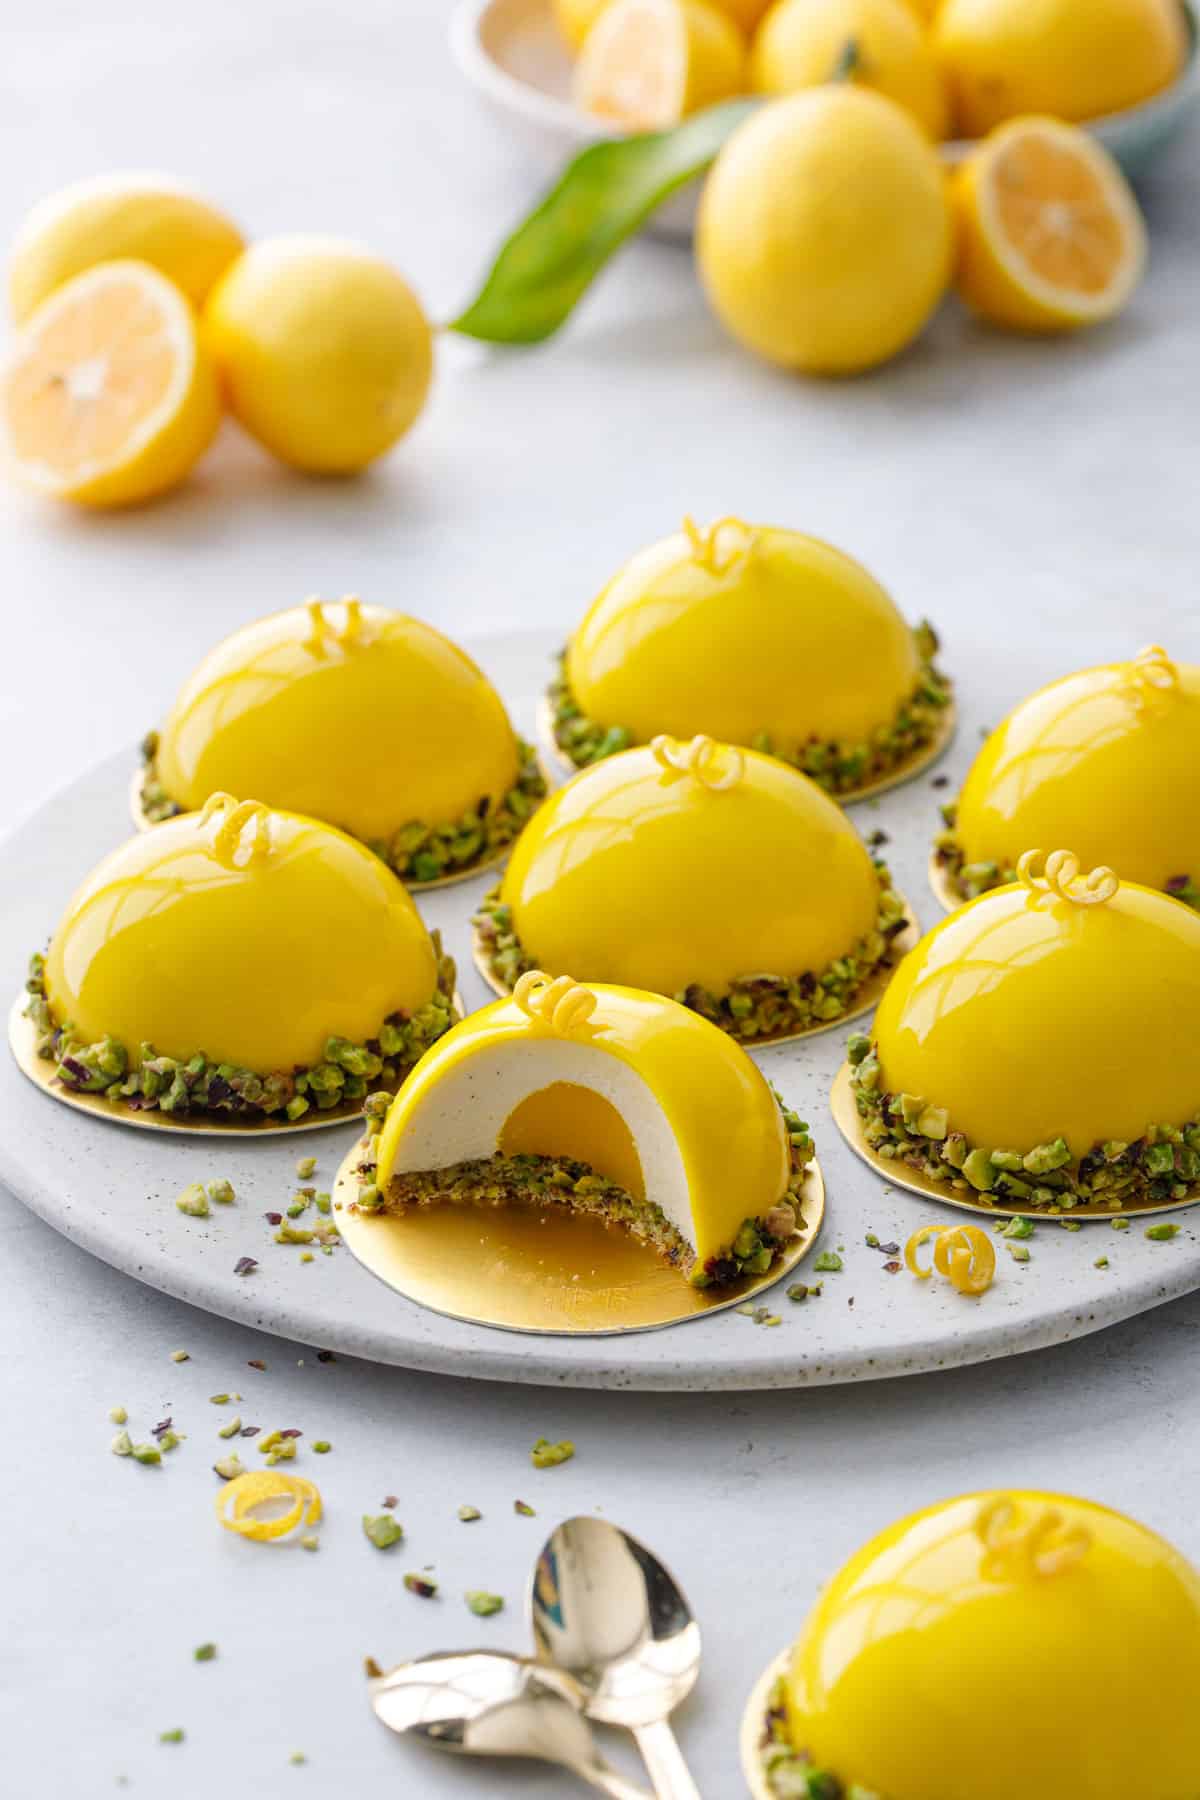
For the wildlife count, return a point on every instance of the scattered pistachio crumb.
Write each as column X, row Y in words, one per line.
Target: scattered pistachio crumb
column 419, row 1584
column 383, row 1530
column 219, row 1399
column 872, row 1240
column 146, row 1453
column 221, row 1191
column 204, row 1652
column 468, row 1513
column 193, row 1201
column 229, row 1467
column 1119, row 1224
column 122, row 1444
column 307, row 1256
column 180, row 1356
column 232, row 1429
column 1071, row 1224
column 297, row 1758
column 324, row 1203
column 546, row 1455
column 828, row 1263
column 305, row 1167
column 797, row 1291
column 1017, row 1227
column 1018, row 1252
column 310, row 1541
column 1162, row 1233
column 1101, row 1262
column 168, row 1440
column 174, row 1736
column 523, row 1508
column 118, row 1416
column 322, row 1446
column 481, row 1603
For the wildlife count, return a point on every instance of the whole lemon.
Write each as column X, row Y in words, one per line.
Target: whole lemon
column 878, row 43
column 112, row 218
column 1074, row 59
column 323, row 349
column 824, row 239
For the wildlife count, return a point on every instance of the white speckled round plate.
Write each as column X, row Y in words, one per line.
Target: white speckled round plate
column 114, row 1191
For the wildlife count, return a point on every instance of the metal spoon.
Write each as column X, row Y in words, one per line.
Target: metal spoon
column 487, row 1703
column 604, row 1609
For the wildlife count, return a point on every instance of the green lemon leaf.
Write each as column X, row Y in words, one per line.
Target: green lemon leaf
column 602, row 197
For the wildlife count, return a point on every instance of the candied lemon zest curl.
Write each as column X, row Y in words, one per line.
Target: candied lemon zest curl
column 322, row 625
column 706, row 542
column 699, row 760
column 235, row 816
column 564, row 1005
column 1044, row 1546
column 237, row 1499
column 1152, row 667
column 1060, row 876
column 962, row 1253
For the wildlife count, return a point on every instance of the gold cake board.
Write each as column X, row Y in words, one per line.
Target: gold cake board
column 559, row 768
column 901, row 1175
column 543, row 1270
column 866, row 1000
column 943, row 891
column 22, row 1040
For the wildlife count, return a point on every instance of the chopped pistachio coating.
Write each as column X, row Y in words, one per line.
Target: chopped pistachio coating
column 546, row 1455
column 790, row 1774
column 417, row 852
column 967, row 879
column 382, row 1529
column 149, row 1082
column 559, row 1181
column 1162, row 1165
column 481, row 1603
column 757, row 1007
column 839, row 768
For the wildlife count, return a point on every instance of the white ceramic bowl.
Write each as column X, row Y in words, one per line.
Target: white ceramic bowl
column 512, row 54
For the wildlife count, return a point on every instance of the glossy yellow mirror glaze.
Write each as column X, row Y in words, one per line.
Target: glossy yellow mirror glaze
column 647, row 875
column 193, row 941
column 368, row 720
column 720, row 1109
column 742, row 630
column 1005, row 1645
column 1029, row 1016
column 1104, row 760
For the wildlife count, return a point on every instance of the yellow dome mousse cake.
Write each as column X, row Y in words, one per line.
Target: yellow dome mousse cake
column 1104, row 760
column 994, row 1646
column 368, row 719
column 756, row 636
column 603, row 1100
column 716, row 875
column 240, row 963
column 1038, row 1047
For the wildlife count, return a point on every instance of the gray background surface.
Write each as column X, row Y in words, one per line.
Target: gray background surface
column 1037, row 500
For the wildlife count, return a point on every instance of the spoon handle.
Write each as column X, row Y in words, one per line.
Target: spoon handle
column 669, row 1774
column 604, row 1778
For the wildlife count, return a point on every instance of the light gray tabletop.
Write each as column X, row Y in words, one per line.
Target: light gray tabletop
column 1020, row 493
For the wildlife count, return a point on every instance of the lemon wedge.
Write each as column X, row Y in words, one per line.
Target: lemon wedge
column 646, row 64
column 1051, row 236
column 107, row 396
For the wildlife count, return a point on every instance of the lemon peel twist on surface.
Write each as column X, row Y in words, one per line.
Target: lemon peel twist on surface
column 237, row 1500
column 564, row 1005
column 962, row 1253
column 1060, row 875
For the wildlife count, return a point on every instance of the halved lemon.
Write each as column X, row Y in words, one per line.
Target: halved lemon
column 1050, row 234
column 646, row 64
column 108, row 396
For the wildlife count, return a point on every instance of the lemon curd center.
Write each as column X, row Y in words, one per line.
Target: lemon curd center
column 566, row 1119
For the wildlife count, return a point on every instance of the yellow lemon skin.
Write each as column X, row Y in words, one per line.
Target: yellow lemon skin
column 368, row 731
column 1099, row 762
column 800, row 44
column 575, row 19
column 1018, row 1012
column 984, row 277
column 783, row 634
column 110, row 218
column 646, row 877
column 893, row 1680
column 253, row 962
column 323, row 349
column 824, row 237
column 1075, row 59
column 717, row 1102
